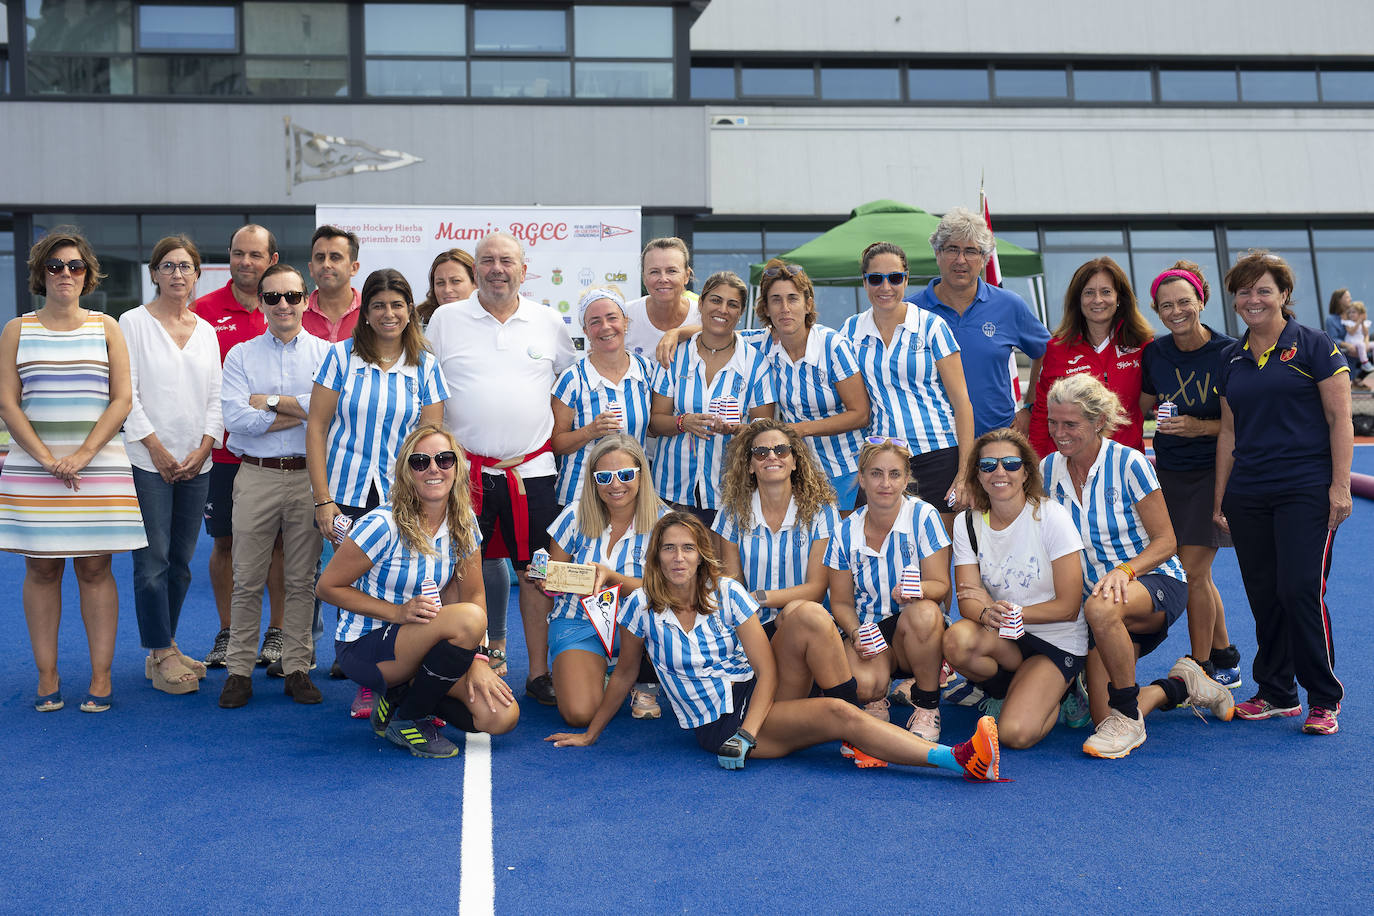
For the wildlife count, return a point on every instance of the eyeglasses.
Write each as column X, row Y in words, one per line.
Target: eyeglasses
column 885, row 440
column 896, row 278
column 763, row 451
column 419, row 461
column 167, row 268
column 970, row 254
column 292, row 297
column 1009, row 463
column 794, row 270
column 75, row 265
column 624, row 475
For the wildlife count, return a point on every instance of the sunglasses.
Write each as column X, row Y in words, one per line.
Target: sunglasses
column 293, row 297
column 75, row 265
column 794, row 270
column 896, row 278
column 624, row 475
column 1009, row 463
column 763, row 451
column 885, row 440
column 419, row 461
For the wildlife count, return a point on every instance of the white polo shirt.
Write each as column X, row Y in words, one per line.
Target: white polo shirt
column 500, row 376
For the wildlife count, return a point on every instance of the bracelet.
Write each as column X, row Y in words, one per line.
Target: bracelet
column 479, row 657
column 325, row 503
column 680, row 418
column 983, row 616
column 1126, row 568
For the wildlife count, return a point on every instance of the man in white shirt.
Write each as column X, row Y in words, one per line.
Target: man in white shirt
column 501, row 354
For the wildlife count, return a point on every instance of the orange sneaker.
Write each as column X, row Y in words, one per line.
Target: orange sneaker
column 980, row 755
column 861, row 760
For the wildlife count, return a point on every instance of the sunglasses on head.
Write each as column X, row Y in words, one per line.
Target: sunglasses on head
column 794, row 270
column 75, row 265
column 896, row 278
column 419, row 461
column 1009, row 463
column 763, row 451
column 885, row 440
column 624, row 475
column 293, row 297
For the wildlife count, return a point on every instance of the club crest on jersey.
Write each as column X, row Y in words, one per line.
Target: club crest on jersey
column 1112, row 494
column 907, row 550
column 1288, row 354
column 989, row 329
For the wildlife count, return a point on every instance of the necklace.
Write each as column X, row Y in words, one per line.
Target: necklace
column 714, row 350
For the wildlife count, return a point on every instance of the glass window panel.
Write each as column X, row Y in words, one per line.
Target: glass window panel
column 1299, row 257
column 190, row 75
column 1112, row 85
column 1149, row 264
column 4, row 40
column 728, row 239
column 210, row 231
column 1241, row 238
column 1027, row 239
column 1353, row 270
column 289, row 78
column 1083, row 238
column 623, row 31
column 1278, row 85
column 713, row 82
column 947, row 84
column 836, row 303
column 1016, row 83
column 431, row 78
column 520, row 31
column 778, row 81
column 1197, row 86
column 295, row 28
column 520, row 79
column 778, row 241
column 883, row 83
column 166, row 27
column 79, row 25
column 293, row 231
column 1173, row 238
column 1343, row 238
column 646, row 80
column 1059, row 270
column 705, row 265
column 80, row 75
column 416, row 28
column 114, row 238
column 1347, row 86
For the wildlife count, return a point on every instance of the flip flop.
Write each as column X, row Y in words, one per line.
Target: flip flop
column 93, row 703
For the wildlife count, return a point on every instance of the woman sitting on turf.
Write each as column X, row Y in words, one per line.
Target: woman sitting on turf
column 389, row 633
column 1014, row 547
column 703, row 635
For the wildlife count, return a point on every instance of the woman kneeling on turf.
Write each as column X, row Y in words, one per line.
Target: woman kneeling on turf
column 1016, row 549
column 703, row 635
column 390, row 633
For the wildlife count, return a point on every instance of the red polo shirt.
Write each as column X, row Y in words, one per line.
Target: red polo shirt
column 233, row 325
column 1117, row 367
column 318, row 323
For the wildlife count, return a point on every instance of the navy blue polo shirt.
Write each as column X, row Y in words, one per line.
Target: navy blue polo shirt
column 1282, row 438
column 1188, row 378
column 996, row 321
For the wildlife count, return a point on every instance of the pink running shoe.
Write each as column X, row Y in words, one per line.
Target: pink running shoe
column 1322, row 720
column 362, row 704
column 1257, row 707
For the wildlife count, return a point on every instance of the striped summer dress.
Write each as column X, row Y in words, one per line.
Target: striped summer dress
column 64, row 388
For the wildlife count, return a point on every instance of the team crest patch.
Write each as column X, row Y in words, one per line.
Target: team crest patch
column 989, row 329
column 1288, row 354
column 907, row 551
column 1159, row 595
column 1112, row 494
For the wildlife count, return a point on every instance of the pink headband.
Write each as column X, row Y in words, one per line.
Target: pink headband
column 1180, row 274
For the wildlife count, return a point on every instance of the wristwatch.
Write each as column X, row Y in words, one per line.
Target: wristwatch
column 272, row 401
column 759, row 595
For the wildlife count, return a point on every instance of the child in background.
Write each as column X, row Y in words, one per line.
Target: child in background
column 1356, row 323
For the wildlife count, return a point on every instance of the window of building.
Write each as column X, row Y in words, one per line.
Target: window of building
column 1030, row 83
column 1293, row 244
column 947, row 84
column 168, row 27
column 1096, row 85
column 519, row 31
column 713, row 82
column 623, row 31
column 861, row 83
column 778, row 82
column 1278, row 85
column 1197, row 85
column 1344, row 86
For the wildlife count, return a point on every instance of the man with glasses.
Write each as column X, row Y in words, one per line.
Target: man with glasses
column 266, row 400
column 987, row 321
column 233, row 312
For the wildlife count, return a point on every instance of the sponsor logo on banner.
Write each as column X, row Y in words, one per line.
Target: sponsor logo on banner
column 585, row 276
column 599, row 231
column 557, row 278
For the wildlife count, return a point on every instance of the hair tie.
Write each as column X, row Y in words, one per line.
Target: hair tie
column 593, row 294
column 1181, row 274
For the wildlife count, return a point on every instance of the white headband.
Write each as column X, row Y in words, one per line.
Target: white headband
column 592, row 295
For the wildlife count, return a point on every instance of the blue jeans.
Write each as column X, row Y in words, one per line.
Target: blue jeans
column 172, row 514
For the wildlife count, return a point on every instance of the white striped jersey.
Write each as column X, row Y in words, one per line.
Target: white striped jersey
column 685, row 462
column 698, row 668
column 916, row 534
column 625, row 556
column 589, row 396
column 377, row 410
column 1107, row 519
column 908, row 398
column 773, row 560
column 806, row 391
column 397, row 568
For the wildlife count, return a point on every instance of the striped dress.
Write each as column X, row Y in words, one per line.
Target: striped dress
column 64, row 388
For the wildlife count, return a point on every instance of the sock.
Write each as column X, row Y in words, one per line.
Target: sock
column 455, row 712
column 1175, row 691
column 848, row 691
column 647, row 674
column 925, row 699
column 1208, row 668
column 947, row 758
column 441, row 666
column 1123, row 700
column 996, row 686
column 1226, row 658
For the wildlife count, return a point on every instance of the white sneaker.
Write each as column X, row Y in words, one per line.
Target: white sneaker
column 925, row 723
column 644, row 702
column 1116, row 736
column 1202, row 690
column 878, row 709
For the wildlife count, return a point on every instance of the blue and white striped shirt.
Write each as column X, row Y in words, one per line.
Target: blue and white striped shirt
column 625, row 556
column 698, row 668
column 806, row 391
column 908, row 397
column 397, row 568
column 916, row 534
column 589, row 395
column 1107, row 520
column 685, row 462
column 377, row 410
column 772, row 560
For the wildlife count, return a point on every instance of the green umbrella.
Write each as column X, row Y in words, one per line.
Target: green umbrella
column 832, row 258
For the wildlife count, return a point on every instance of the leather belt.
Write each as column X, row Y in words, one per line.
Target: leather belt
column 278, row 464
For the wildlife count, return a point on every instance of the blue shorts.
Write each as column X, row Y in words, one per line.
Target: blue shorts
column 565, row 634
column 713, row 734
column 846, row 491
column 359, row 658
column 219, row 505
column 1030, row 645
column 1170, row 598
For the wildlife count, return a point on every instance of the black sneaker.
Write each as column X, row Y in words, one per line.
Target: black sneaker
column 275, row 669
column 420, row 737
column 220, row 649
column 383, row 708
column 540, row 689
column 271, row 647
column 336, row 673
